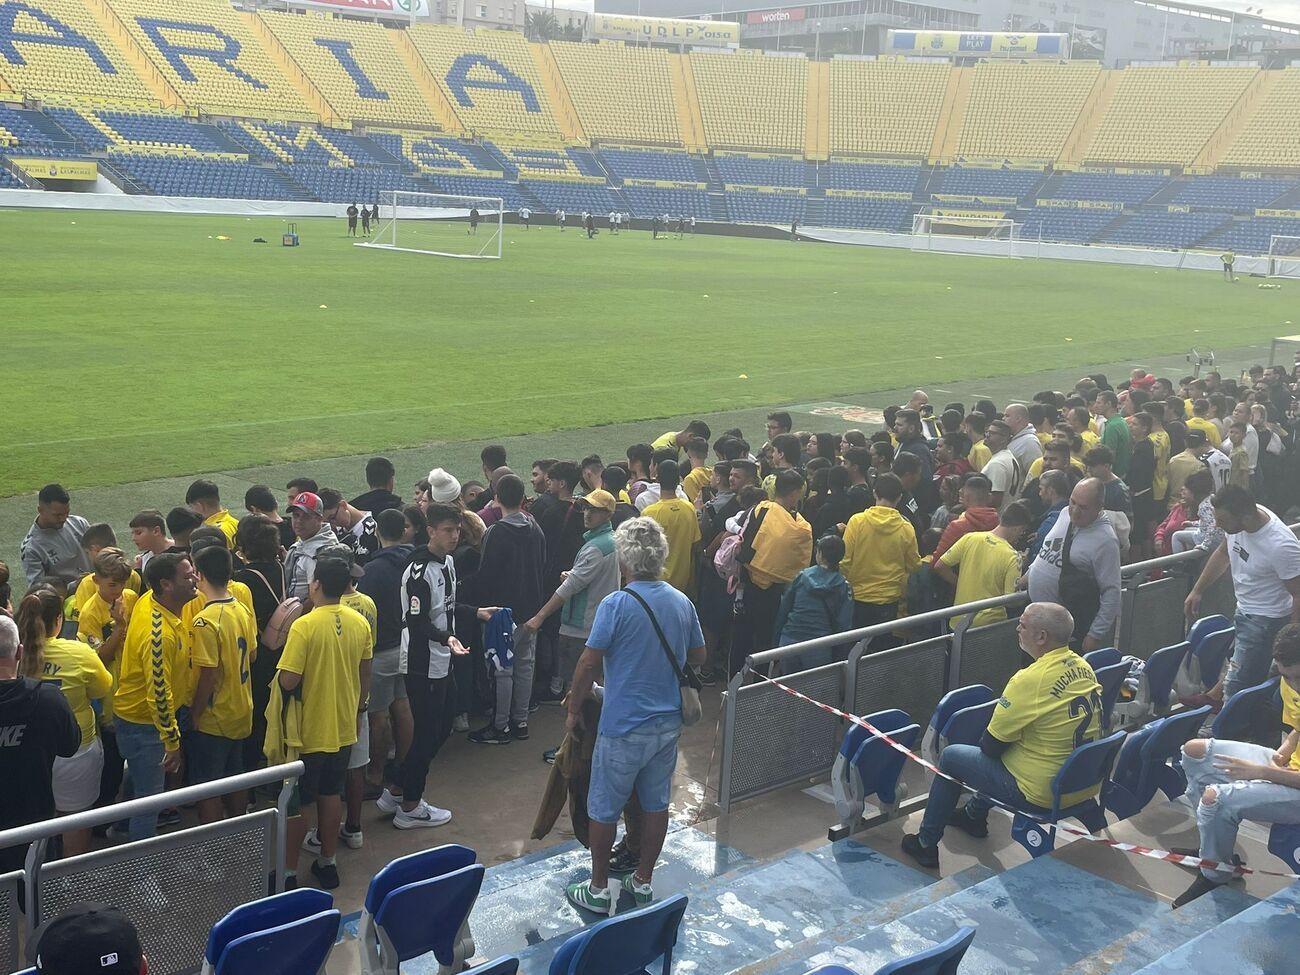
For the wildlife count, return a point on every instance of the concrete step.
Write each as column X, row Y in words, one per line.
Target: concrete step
column 1041, row 917
column 1264, row 939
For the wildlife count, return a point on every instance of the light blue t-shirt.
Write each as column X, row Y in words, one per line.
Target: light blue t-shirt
column 640, row 684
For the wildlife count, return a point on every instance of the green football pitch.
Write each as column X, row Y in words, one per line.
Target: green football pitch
column 140, row 346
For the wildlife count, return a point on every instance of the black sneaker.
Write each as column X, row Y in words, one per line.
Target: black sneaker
column 519, row 732
column 548, row 697
column 326, row 873
column 971, row 827
column 1200, row 886
column 490, row 735
column 169, row 817
column 707, row 677
column 548, row 756
column 622, row 860
column 925, row 856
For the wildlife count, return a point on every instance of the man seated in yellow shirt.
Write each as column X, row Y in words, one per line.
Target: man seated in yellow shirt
column 987, row 562
column 1047, row 710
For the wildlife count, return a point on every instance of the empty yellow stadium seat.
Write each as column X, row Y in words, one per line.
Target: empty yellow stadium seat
column 490, row 79
column 752, row 101
column 355, row 66
column 1024, row 110
column 58, row 48
column 886, row 108
column 1271, row 137
column 1166, row 114
column 621, row 93
column 210, row 55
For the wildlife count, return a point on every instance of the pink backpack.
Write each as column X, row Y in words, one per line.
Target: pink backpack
column 728, row 559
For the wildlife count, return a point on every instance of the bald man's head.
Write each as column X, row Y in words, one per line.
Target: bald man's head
column 1045, row 627
column 1086, row 502
column 1017, row 417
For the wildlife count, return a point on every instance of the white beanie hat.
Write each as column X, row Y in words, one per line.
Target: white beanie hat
column 443, row 487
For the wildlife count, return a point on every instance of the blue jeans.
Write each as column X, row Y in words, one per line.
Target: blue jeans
column 971, row 766
column 644, row 759
column 1252, row 651
column 143, row 751
column 1218, row 820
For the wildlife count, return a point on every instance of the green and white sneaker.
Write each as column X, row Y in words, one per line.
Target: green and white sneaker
column 642, row 894
column 582, row 895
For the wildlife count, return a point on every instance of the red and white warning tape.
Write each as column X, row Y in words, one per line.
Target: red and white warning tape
column 1083, row 834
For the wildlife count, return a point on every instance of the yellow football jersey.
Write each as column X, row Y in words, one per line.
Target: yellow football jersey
column 326, row 646
column 94, row 627
column 225, row 637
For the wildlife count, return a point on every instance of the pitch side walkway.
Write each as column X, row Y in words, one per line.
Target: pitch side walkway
column 118, row 504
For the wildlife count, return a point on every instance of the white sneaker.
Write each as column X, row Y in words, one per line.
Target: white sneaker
column 311, row 842
column 388, row 803
column 422, row 816
column 351, row 840
column 460, row 724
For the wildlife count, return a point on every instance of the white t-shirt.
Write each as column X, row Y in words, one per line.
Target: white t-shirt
column 1261, row 561
column 1220, row 467
column 525, row 213
column 651, row 494
column 1251, row 443
column 1005, row 474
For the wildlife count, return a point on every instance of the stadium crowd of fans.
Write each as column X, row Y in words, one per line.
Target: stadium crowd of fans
column 359, row 634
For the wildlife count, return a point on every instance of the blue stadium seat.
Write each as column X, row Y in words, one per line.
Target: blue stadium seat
column 1065, row 224
column 646, row 201
column 419, row 904
column 633, row 164
column 1163, row 229
column 950, row 704
column 575, row 197
column 868, row 214
column 763, row 172
column 1210, row 642
column 1284, row 843
column 1253, row 236
column 1232, row 192
column 1115, row 187
column 855, row 176
column 505, row 965
column 1150, row 762
column 942, row 959
column 38, row 134
column 1156, row 684
column 1252, row 714
column 1111, row 671
column 624, row 945
column 286, row 934
column 967, row 725
column 868, row 766
column 1088, row 767
column 778, row 208
column 975, row 181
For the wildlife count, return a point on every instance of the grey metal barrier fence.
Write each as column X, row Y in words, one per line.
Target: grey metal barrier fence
column 172, row 887
column 10, row 920
column 771, row 740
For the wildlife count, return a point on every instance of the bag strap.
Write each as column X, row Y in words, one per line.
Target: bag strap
column 1065, row 549
column 663, row 640
column 278, row 599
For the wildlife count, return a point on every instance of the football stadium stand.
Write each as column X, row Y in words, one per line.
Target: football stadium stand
column 1167, row 114
column 1271, row 136
column 621, row 93
column 886, row 108
column 355, row 66
column 1024, row 110
column 491, row 81
column 85, row 63
column 197, row 98
column 211, row 56
column 750, row 101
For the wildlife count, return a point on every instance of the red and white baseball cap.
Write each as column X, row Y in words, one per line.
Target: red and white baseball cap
column 309, row 503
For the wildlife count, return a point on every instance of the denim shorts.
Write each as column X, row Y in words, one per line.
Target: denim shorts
column 644, row 760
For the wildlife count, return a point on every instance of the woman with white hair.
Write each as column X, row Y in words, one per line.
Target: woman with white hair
column 643, row 637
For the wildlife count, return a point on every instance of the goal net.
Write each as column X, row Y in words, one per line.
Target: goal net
column 439, row 224
column 1284, row 257
column 950, row 233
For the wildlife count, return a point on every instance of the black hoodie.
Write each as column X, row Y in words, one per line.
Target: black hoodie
column 36, row 725
column 510, row 573
column 383, row 583
column 376, row 500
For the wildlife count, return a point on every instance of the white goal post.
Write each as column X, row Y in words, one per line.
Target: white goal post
column 962, row 233
column 440, row 224
column 1283, row 256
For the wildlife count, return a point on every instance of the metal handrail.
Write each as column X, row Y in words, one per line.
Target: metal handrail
column 104, row 815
